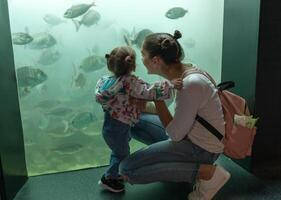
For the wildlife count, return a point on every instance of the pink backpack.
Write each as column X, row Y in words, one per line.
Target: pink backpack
column 238, row 140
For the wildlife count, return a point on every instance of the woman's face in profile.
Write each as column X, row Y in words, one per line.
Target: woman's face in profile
column 148, row 62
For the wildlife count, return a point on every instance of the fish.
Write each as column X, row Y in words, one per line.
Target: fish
column 82, row 120
column 67, row 148
column 80, row 80
column 49, row 56
column 60, row 111
column 137, row 38
column 53, row 20
column 42, row 40
column 29, row 77
column 92, row 63
column 47, row 104
column 21, row 38
column 77, row 10
column 90, row 18
column 176, row 12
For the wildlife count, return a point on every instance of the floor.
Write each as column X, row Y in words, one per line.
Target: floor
column 82, row 185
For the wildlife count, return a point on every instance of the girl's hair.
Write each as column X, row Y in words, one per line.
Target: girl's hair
column 121, row 60
column 164, row 45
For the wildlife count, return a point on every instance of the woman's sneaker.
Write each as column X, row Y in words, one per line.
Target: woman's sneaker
column 113, row 185
column 205, row 190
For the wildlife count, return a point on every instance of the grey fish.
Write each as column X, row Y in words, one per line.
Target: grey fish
column 175, row 13
column 49, row 56
column 80, row 80
column 68, row 148
column 52, row 124
column 53, row 20
column 30, row 77
column 42, row 40
column 138, row 38
column 47, row 104
column 92, row 63
column 77, row 10
column 90, row 18
column 82, row 120
column 21, row 38
column 60, row 111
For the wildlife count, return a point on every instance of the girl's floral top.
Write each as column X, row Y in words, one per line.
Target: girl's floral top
column 113, row 94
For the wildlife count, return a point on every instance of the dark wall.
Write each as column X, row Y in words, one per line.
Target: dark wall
column 239, row 53
column 11, row 135
column 268, row 92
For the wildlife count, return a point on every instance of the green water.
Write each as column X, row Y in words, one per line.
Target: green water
column 48, row 108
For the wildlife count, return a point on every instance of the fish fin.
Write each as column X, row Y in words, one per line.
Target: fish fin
column 44, row 123
column 77, row 24
column 26, row 29
column 66, row 128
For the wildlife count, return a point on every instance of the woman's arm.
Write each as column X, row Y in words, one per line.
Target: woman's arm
column 163, row 112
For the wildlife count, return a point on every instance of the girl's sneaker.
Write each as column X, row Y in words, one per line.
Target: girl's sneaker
column 113, row 185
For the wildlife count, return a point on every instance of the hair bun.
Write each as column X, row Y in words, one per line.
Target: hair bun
column 177, row 34
column 128, row 59
column 166, row 43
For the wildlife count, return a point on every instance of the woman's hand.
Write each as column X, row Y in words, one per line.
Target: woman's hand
column 178, row 83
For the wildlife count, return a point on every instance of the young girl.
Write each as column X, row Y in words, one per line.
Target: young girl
column 113, row 93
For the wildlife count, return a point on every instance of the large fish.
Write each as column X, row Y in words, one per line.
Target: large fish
column 49, row 56
column 175, row 13
column 138, row 38
column 42, row 40
column 30, row 77
column 21, row 38
column 77, row 10
column 53, row 20
column 82, row 120
column 79, row 81
column 90, row 18
column 93, row 63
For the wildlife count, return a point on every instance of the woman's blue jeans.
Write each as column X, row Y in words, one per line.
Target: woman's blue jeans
column 162, row 159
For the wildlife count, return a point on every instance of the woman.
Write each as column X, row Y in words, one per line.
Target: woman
column 189, row 153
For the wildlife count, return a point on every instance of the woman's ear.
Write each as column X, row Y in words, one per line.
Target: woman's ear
column 156, row 60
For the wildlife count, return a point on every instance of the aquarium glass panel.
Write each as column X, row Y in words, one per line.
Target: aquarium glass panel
column 59, row 48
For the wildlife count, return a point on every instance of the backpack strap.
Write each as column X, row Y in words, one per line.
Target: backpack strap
column 221, row 86
column 209, row 127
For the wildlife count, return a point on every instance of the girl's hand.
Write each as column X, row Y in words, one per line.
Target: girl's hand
column 178, row 83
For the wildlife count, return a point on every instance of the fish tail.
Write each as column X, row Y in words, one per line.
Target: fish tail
column 127, row 40
column 77, row 24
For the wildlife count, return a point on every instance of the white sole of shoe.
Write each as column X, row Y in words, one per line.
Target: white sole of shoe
column 109, row 188
column 219, row 186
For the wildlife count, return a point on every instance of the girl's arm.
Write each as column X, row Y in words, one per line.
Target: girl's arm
column 157, row 91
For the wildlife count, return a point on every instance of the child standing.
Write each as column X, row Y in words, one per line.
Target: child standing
column 113, row 93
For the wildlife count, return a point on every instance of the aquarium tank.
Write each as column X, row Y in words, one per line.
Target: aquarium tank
column 59, row 48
